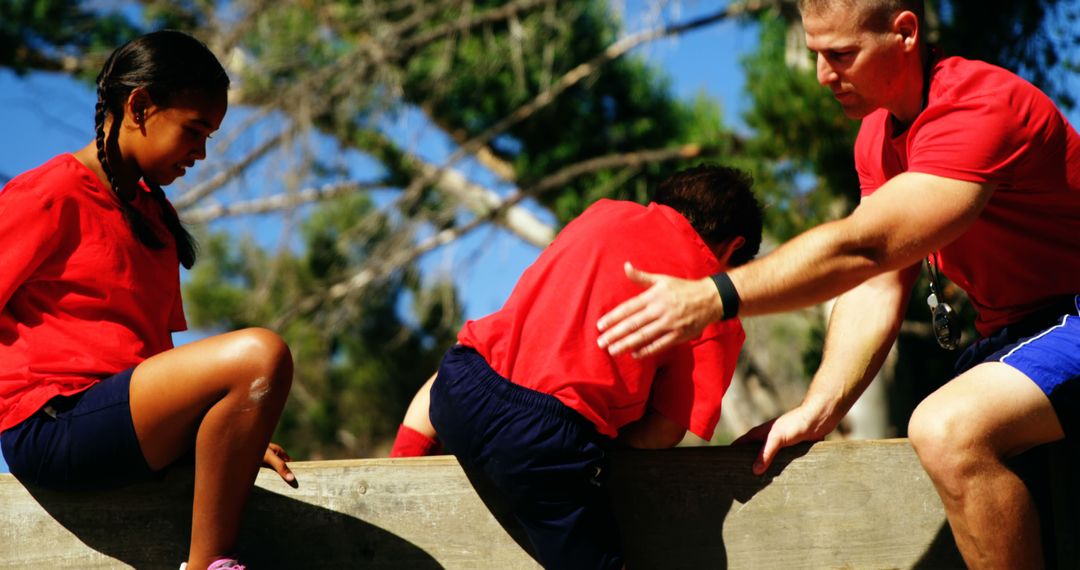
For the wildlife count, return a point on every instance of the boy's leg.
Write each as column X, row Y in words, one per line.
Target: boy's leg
column 561, row 501
column 416, row 436
column 541, row 456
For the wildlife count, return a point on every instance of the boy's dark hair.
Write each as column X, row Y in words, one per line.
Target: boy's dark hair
column 165, row 63
column 719, row 204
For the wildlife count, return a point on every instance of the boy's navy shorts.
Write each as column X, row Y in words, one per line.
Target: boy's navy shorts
column 1046, row 348
column 83, row 441
column 545, row 459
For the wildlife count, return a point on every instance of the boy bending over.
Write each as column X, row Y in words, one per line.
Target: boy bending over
column 529, row 399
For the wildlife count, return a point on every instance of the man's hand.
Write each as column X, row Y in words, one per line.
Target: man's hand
column 799, row 425
column 670, row 311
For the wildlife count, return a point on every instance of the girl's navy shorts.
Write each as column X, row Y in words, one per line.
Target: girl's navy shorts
column 83, row 441
column 545, row 459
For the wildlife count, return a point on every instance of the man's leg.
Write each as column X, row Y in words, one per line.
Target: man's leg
column 963, row 433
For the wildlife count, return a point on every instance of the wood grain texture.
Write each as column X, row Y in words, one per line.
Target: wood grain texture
column 832, row 505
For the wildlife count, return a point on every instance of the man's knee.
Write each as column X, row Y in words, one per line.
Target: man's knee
column 945, row 440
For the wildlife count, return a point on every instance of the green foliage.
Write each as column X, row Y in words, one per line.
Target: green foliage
column 468, row 83
column 799, row 132
column 1036, row 39
column 34, row 34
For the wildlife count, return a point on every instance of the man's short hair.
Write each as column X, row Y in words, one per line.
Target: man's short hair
column 877, row 14
column 719, row 204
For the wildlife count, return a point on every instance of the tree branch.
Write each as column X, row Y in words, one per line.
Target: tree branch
column 398, row 257
column 575, row 75
column 277, row 202
column 222, row 177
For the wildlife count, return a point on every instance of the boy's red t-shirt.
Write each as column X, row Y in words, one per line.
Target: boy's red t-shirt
column 544, row 337
column 984, row 124
column 80, row 297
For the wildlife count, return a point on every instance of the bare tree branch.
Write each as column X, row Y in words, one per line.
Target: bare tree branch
column 277, row 202
column 399, row 256
column 503, row 13
column 222, row 177
column 575, row 75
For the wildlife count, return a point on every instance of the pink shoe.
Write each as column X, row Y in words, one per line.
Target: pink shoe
column 226, row 563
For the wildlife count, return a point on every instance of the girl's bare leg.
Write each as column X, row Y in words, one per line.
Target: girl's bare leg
column 225, row 394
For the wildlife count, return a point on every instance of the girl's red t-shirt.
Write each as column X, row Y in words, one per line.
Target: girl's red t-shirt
column 80, row 297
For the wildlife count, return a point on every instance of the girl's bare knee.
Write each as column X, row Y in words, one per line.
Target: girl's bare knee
column 268, row 362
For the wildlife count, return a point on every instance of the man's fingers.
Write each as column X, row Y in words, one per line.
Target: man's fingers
column 765, row 458
column 638, row 276
column 618, row 316
column 638, row 316
column 636, row 331
column 627, row 337
column 647, row 330
column 659, row 345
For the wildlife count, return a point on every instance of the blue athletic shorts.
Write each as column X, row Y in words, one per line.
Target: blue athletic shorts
column 546, row 460
column 82, row 441
column 1046, row 348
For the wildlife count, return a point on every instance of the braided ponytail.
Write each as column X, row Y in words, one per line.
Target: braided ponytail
column 186, row 246
column 135, row 219
column 164, row 63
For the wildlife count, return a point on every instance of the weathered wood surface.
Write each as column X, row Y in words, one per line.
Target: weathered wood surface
column 833, row 505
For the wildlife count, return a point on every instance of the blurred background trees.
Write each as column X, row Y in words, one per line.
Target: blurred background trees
column 316, row 204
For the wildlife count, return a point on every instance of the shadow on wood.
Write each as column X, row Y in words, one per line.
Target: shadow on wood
column 861, row 504
column 147, row 526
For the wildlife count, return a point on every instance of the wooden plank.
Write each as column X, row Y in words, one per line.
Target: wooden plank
column 862, row 504
column 418, row 513
column 832, row 505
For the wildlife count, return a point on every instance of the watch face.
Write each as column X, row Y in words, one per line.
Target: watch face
column 946, row 325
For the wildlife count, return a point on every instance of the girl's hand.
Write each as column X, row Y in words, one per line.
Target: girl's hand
column 275, row 458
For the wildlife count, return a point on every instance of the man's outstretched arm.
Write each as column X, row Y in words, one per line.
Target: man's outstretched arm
column 862, row 328
column 909, row 217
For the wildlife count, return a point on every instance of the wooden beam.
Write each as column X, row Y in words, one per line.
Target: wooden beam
column 835, row 504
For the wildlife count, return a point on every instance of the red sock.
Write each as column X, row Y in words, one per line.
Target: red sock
column 411, row 443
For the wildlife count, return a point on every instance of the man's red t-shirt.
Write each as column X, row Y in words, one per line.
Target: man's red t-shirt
column 544, row 338
column 984, row 124
column 80, row 297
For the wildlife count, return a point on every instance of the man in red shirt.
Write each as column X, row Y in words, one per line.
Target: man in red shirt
column 526, row 396
column 964, row 164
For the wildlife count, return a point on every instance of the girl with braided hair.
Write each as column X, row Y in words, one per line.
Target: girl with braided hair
column 92, row 392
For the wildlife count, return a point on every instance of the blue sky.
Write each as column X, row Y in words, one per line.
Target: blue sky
column 48, row 114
